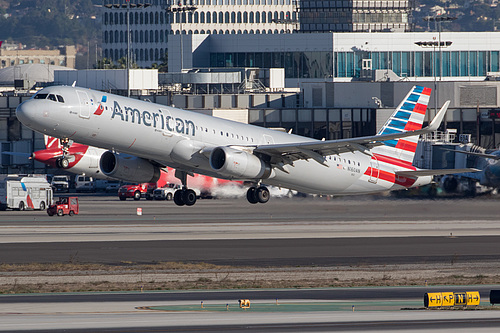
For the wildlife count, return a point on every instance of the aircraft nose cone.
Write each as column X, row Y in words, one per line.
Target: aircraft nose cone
column 26, row 112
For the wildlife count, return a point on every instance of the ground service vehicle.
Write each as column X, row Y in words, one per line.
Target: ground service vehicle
column 24, row 192
column 64, row 206
column 136, row 191
column 84, row 184
column 113, row 186
column 165, row 193
column 60, row 183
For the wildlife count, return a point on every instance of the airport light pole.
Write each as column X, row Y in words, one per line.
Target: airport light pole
column 181, row 9
column 128, row 6
column 438, row 19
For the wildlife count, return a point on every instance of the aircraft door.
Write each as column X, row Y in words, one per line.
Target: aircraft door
column 374, row 170
column 268, row 140
column 84, row 104
column 168, row 123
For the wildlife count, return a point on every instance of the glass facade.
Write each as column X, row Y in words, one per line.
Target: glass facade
column 420, row 63
column 297, row 64
column 322, row 64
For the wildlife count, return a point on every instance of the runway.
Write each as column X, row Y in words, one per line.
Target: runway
column 344, row 231
column 283, row 233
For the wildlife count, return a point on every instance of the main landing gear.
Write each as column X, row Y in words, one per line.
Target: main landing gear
column 63, row 161
column 184, row 196
column 258, row 194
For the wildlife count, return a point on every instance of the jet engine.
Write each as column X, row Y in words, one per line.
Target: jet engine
column 449, row 184
column 128, row 168
column 238, row 164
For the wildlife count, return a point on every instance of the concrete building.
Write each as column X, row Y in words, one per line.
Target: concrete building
column 65, row 56
column 152, row 26
column 348, row 16
column 417, row 56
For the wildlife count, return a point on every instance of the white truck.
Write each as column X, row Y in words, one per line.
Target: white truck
column 166, row 192
column 25, row 192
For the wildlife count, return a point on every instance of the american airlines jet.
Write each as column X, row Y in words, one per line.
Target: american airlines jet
column 143, row 137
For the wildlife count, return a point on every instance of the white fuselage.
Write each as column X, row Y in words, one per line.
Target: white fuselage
column 175, row 137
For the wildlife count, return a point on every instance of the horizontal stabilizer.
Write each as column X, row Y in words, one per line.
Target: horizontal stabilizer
column 491, row 156
column 434, row 172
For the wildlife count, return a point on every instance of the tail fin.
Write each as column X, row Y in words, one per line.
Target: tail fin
column 408, row 116
column 51, row 142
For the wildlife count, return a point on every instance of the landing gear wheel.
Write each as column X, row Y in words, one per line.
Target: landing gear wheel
column 60, row 212
column 22, row 206
column 189, row 197
column 42, row 205
column 64, row 163
column 252, row 196
column 262, row 194
column 178, row 198
column 137, row 195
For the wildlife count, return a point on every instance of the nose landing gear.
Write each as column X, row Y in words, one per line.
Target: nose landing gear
column 63, row 161
column 258, row 194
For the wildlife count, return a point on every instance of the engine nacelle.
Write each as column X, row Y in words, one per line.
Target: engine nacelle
column 129, row 168
column 238, row 164
column 449, row 184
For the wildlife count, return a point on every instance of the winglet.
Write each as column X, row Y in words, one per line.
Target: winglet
column 438, row 118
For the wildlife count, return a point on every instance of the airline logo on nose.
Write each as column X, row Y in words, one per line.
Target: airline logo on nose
column 100, row 110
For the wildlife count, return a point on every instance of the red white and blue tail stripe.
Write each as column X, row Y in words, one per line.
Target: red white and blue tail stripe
column 408, row 116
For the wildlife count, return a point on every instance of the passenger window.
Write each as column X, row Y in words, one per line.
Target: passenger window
column 52, row 98
column 60, row 99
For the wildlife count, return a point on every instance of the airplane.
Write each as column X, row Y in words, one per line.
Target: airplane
column 142, row 137
column 486, row 160
column 71, row 156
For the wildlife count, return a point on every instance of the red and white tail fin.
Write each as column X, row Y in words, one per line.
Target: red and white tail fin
column 51, row 142
column 408, row 116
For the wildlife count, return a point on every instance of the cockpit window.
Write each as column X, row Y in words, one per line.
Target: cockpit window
column 52, row 97
column 60, row 99
column 41, row 96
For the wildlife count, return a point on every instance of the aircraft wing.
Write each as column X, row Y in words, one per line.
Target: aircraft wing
column 318, row 149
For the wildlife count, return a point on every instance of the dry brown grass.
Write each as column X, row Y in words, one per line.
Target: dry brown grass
column 199, row 276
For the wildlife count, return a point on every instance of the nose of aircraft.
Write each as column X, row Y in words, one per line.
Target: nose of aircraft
column 26, row 112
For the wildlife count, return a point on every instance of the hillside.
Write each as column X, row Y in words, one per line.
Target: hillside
column 49, row 23
column 471, row 15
